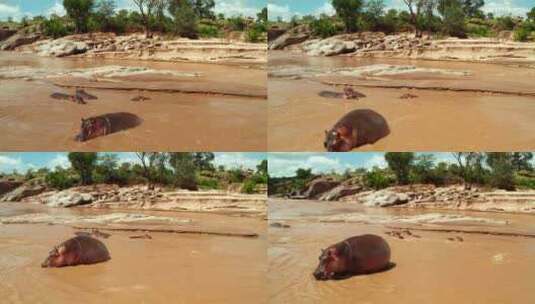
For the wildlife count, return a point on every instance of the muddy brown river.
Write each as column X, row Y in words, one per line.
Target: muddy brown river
column 430, row 268
column 183, row 113
column 169, row 268
column 459, row 106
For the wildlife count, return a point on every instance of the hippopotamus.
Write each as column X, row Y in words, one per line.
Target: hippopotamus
column 79, row 250
column 84, row 95
column 355, row 129
column 363, row 254
column 348, row 93
column 107, row 124
column 74, row 98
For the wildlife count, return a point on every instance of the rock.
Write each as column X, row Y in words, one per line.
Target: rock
column 339, row 192
column 294, row 36
column 6, row 33
column 20, row 38
column 328, row 47
column 318, row 186
column 275, row 32
column 385, row 198
column 61, row 48
column 68, row 198
column 8, row 186
column 22, row 192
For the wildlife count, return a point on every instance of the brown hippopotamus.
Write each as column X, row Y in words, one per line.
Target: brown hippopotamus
column 79, row 250
column 74, row 98
column 84, row 95
column 355, row 129
column 348, row 93
column 362, row 254
column 107, row 124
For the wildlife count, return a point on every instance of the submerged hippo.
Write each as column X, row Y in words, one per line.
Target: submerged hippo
column 74, row 98
column 84, row 95
column 355, row 129
column 362, row 254
column 79, row 250
column 348, row 93
column 107, row 124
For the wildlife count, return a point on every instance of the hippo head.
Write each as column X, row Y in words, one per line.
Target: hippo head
column 332, row 262
column 57, row 257
column 87, row 128
column 338, row 140
column 349, row 92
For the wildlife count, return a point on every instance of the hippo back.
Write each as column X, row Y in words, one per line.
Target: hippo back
column 89, row 250
column 121, row 121
column 370, row 253
column 370, row 125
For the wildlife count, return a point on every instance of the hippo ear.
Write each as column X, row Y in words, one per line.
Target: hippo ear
column 61, row 250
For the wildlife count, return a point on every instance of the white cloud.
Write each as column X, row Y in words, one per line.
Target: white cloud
column 280, row 11
column 287, row 164
column 12, row 11
column 56, row 9
column 9, row 164
column 326, row 8
column 376, row 161
column 235, row 160
column 60, row 160
column 235, row 8
column 9, row 161
column 504, row 7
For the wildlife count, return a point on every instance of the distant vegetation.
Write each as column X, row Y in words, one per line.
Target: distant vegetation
column 186, row 18
column 174, row 170
column 507, row 171
column 460, row 18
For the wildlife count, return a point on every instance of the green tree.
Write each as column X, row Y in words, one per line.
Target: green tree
column 55, row 27
column 59, row 179
column 323, row 27
column 147, row 9
column 502, row 170
column 106, row 169
column 303, row 174
column 104, row 12
column 262, row 168
column 79, row 11
column 453, row 17
column 203, row 8
column 470, row 167
column 472, row 8
column 204, row 160
column 84, row 164
column 348, row 11
column 262, row 16
column 531, row 15
column 185, row 171
column 522, row 161
column 185, row 18
column 400, row 163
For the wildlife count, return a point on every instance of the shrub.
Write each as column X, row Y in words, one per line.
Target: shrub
column 55, row 27
column 60, row 179
column 323, row 27
column 378, row 179
column 208, row 31
column 208, row 183
column 248, row 186
column 253, row 35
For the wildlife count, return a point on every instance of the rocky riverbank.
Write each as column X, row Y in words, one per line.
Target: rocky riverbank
column 407, row 46
column 139, row 198
column 455, row 197
column 137, row 47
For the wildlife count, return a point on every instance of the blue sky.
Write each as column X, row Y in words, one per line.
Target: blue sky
column 34, row 160
column 19, row 8
column 287, row 8
column 285, row 164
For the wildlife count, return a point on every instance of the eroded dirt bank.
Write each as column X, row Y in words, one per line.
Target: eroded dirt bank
column 190, row 268
column 431, row 267
column 450, row 99
column 189, row 106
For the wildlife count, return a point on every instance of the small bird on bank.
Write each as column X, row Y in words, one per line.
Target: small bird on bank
column 80, row 96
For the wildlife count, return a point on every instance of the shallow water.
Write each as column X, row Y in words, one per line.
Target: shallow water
column 169, row 268
column 31, row 120
column 435, row 120
column 429, row 269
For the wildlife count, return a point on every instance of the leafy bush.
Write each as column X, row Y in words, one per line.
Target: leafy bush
column 323, row 27
column 208, row 183
column 378, row 179
column 55, row 27
column 248, row 186
column 253, row 35
column 208, row 31
column 60, row 179
column 525, row 182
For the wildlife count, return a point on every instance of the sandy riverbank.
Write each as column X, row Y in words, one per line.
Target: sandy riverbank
column 433, row 267
column 451, row 99
column 190, row 104
column 190, row 267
